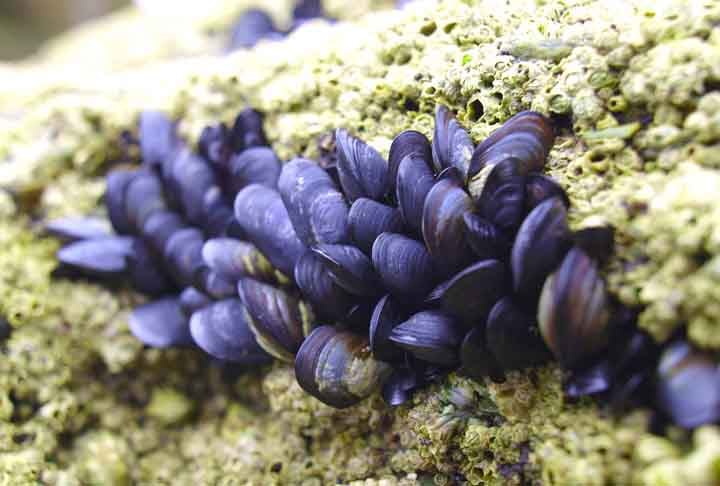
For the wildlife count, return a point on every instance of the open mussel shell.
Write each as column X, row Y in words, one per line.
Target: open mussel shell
column 431, row 336
column 161, row 324
column 279, row 320
column 183, row 255
column 316, row 207
column 502, row 198
column 72, row 229
column 414, row 181
column 539, row 188
column 222, row 331
column 387, row 314
column 688, row 386
column 451, row 146
column 116, row 184
column 145, row 270
column 470, row 294
column 540, row 245
column 362, row 170
column 476, row 360
column 214, row 144
column 367, row 219
column 443, row 227
column 350, row 268
column 407, row 143
column 527, row 136
column 158, row 137
column 336, row 367
column 100, row 257
column 330, row 301
column 514, row 337
column 159, row 228
column 247, row 131
column 236, row 259
column 484, row 238
column 256, row 165
column 262, row 216
column 143, row 196
column 191, row 300
column 574, row 313
column 403, row 264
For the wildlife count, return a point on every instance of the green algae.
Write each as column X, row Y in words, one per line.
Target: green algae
column 81, row 401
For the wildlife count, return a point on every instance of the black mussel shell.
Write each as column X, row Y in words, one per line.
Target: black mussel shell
column 527, row 136
column 116, row 186
column 100, row 257
column 214, row 144
column 256, row 165
column 69, row 230
column 362, row 170
column 143, row 196
column 367, row 219
column 262, row 216
column 222, row 331
column 400, row 386
column 407, row 143
column 414, row 181
column 336, row 367
column 476, row 359
column 470, row 294
column 330, row 301
column 387, row 314
column 514, row 338
column 247, row 131
column 688, row 386
column 161, row 324
column 592, row 380
column 502, row 200
column 539, row 188
column 431, row 336
column 350, row 268
column 403, row 264
column 183, row 255
column 484, row 238
column 158, row 137
column 159, row 227
column 307, row 9
column 236, row 259
column 316, row 207
column 278, row 320
column 145, row 270
column 540, row 245
column 443, row 227
column 191, row 300
column 451, row 146
column 598, row 242
column 573, row 313
column 252, row 26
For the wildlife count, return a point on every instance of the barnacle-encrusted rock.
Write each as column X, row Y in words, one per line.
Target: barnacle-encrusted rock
column 634, row 87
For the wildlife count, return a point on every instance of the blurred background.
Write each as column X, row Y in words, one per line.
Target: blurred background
column 26, row 24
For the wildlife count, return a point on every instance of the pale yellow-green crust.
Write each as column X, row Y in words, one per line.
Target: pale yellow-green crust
column 632, row 83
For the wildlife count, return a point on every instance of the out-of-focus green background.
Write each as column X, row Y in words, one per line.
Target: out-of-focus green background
column 26, row 24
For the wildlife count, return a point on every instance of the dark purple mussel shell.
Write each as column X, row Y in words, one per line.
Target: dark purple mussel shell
column 161, row 324
column 443, row 227
column 255, row 165
column 476, row 360
column 527, row 137
column 362, row 170
column 183, row 255
column 100, row 257
column 72, row 229
column 330, row 301
column 252, row 26
column 143, row 196
column 403, row 264
column 191, row 300
column 407, row 143
column 215, row 284
column 470, row 294
column 214, row 144
column 336, row 367
column 539, row 188
column 145, row 270
column 502, row 198
column 399, row 387
column 316, row 207
column 540, row 245
column 262, row 216
column 431, row 336
column 116, row 183
column 350, row 268
column 159, row 228
column 513, row 337
column 222, row 331
column 279, row 321
column 387, row 314
column 484, row 238
column 158, row 137
column 367, row 219
column 247, row 131
column 218, row 217
column 591, row 380
column 451, row 145
column 236, row 259
column 192, row 178
column 574, row 313
column 597, row 241
column 414, row 181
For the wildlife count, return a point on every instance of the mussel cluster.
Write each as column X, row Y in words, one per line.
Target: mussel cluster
column 369, row 273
